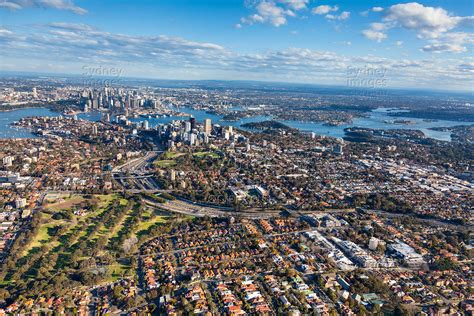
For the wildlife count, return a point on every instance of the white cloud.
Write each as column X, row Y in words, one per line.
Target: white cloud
column 347, row 43
column 467, row 67
column 10, row 5
column 295, row 4
column 435, row 25
column 373, row 9
column 446, row 47
column 269, row 11
column 71, row 26
column 324, row 9
column 376, row 31
column 4, row 31
column 67, row 5
column 454, row 42
column 429, row 22
column 399, row 43
column 379, row 26
column 343, row 16
column 374, row 35
column 73, row 45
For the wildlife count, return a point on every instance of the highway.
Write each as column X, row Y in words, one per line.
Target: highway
column 193, row 209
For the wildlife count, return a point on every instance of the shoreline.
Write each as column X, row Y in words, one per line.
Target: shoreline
column 24, row 108
column 305, row 125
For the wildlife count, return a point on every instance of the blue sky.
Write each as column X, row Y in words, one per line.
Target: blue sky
column 427, row 44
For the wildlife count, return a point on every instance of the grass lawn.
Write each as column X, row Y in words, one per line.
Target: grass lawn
column 201, row 154
column 144, row 225
column 164, row 163
column 106, row 200
column 43, row 237
column 147, row 213
column 115, row 230
column 116, row 271
column 66, row 204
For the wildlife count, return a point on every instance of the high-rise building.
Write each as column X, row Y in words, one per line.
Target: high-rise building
column 337, row 149
column 192, row 120
column 20, row 203
column 192, row 139
column 7, row 161
column 187, row 127
column 94, row 129
column 207, row 126
column 373, row 243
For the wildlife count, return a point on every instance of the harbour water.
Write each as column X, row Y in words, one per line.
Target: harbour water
column 7, row 118
column 377, row 119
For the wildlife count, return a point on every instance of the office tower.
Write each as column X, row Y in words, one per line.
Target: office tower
column 87, row 105
column 337, row 149
column 146, row 125
column 187, row 127
column 94, row 129
column 35, row 94
column 192, row 139
column 207, row 126
column 192, row 120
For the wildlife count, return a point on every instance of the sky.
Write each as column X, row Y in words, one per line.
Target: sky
column 386, row 44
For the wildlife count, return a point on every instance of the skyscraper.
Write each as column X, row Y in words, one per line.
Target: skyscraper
column 207, row 126
column 187, row 127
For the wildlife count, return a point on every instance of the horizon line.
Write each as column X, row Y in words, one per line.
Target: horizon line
column 340, row 86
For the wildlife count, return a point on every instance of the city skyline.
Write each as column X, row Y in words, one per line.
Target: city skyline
column 424, row 45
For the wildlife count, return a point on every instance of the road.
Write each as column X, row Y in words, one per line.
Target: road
column 193, row 209
column 137, row 164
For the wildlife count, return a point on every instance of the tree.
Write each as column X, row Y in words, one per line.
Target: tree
column 400, row 311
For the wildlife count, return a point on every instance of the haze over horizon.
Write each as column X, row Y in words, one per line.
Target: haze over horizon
column 425, row 45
